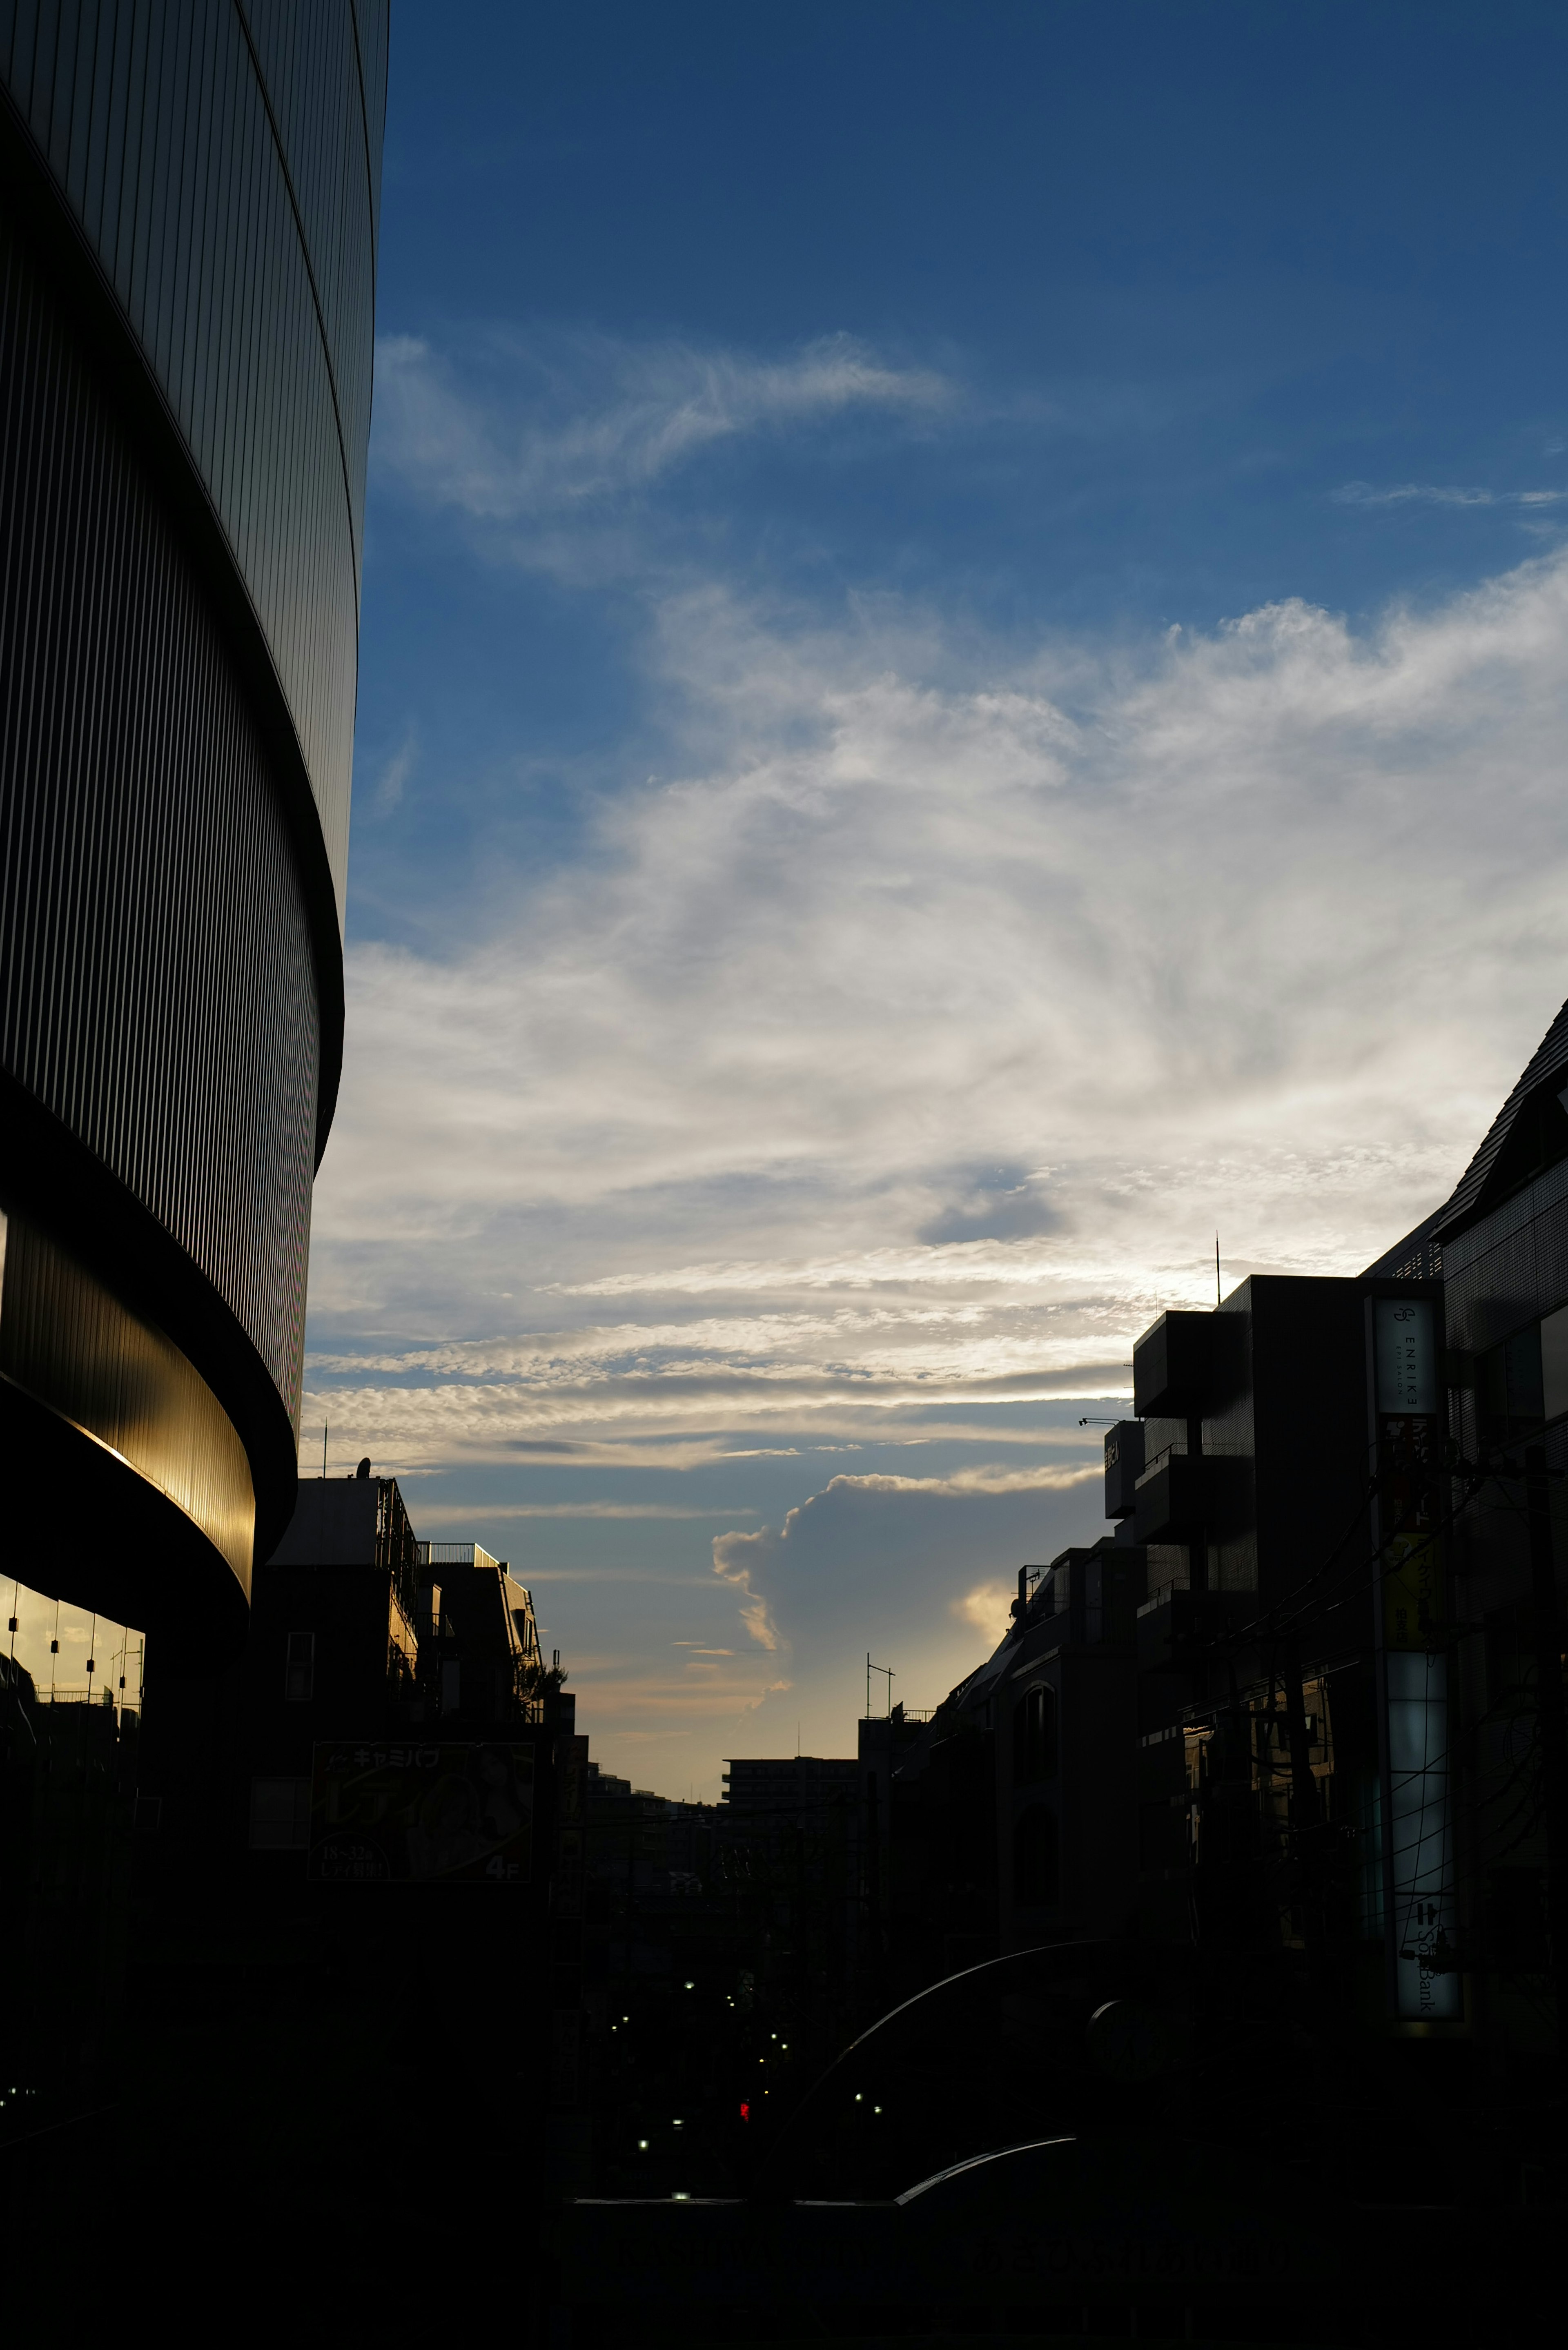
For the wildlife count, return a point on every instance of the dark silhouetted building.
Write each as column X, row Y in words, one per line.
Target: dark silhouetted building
column 1010, row 1818
column 188, row 226
column 1260, row 1808
column 380, row 1727
column 1267, row 1512
column 1484, row 1708
column 793, row 1823
column 188, row 208
column 373, row 1817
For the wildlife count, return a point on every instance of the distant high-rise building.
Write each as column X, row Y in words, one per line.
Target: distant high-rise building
column 188, row 226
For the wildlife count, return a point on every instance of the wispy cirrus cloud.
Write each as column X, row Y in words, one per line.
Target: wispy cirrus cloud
column 547, row 425
column 989, row 1478
column 1175, row 931
column 417, row 1426
column 1441, row 494
column 630, row 1511
column 392, row 781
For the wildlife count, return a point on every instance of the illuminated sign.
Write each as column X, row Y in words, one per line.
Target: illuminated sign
column 1407, row 1355
column 1427, row 1980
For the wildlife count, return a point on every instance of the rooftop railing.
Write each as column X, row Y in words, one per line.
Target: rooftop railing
column 434, row 1554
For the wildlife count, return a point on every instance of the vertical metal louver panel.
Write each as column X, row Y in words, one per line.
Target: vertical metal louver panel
column 157, row 988
column 222, row 158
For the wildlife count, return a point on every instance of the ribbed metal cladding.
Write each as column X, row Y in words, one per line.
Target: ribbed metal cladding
column 157, row 988
column 223, row 162
column 1511, row 1266
column 70, row 1343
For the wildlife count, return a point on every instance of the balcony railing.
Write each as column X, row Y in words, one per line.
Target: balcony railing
column 1176, row 1450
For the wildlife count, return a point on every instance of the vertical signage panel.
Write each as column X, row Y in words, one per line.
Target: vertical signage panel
column 1410, row 1633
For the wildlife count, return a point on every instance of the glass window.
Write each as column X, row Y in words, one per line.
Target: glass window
column 1034, row 1737
column 1522, row 1355
column 1169, row 1567
column 1554, row 1364
column 299, row 1668
column 1036, row 1873
column 1509, row 1391
column 280, row 1814
column 71, row 1656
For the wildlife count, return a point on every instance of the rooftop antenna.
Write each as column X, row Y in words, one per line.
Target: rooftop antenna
column 1217, row 1298
column 871, row 1668
column 324, row 1448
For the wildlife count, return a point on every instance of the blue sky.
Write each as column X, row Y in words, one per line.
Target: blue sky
column 961, row 680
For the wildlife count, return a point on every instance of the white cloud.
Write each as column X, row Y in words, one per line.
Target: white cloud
column 569, row 421
column 876, row 1561
column 988, row 1607
column 736, row 1557
column 1249, row 930
column 874, row 1508
column 1253, row 931
column 391, row 782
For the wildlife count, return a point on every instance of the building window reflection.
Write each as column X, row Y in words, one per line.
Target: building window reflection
column 68, row 1655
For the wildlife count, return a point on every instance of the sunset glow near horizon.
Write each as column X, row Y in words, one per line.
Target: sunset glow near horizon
column 964, row 654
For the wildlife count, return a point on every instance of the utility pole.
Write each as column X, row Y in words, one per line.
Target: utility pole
column 1305, row 1816
column 1304, row 1812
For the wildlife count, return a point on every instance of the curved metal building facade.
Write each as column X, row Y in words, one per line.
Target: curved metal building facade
column 189, row 193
